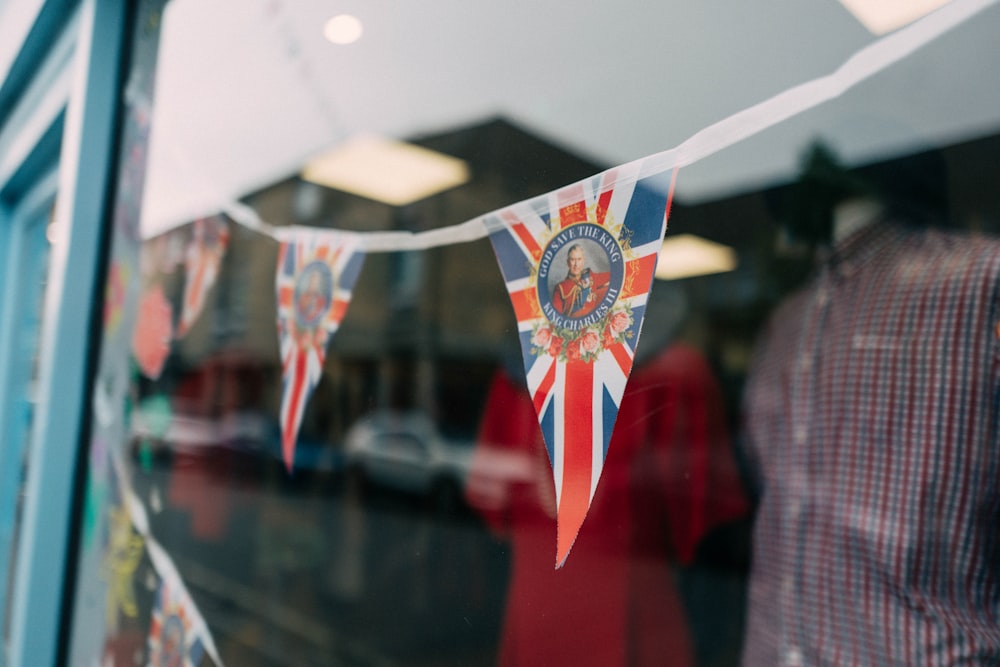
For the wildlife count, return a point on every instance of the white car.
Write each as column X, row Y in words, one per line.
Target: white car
column 404, row 451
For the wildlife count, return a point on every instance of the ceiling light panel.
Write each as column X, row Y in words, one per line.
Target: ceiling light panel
column 392, row 172
column 687, row 255
column 882, row 16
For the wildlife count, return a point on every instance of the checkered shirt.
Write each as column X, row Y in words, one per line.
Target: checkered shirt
column 872, row 421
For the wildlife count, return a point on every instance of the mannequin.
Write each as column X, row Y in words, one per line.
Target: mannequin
column 668, row 480
column 871, row 423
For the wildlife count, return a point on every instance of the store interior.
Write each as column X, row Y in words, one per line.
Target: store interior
column 345, row 560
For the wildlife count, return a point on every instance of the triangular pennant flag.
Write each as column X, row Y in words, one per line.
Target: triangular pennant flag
column 154, row 330
column 201, row 262
column 579, row 264
column 174, row 637
column 317, row 270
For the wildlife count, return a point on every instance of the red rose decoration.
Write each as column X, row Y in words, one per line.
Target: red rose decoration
column 555, row 345
column 542, row 337
column 620, row 321
column 308, row 338
column 573, row 350
column 609, row 338
column 589, row 342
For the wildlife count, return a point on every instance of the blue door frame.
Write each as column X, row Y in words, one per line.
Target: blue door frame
column 23, row 279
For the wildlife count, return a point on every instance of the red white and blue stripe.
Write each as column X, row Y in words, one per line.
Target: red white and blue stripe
column 204, row 255
column 577, row 399
column 308, row 317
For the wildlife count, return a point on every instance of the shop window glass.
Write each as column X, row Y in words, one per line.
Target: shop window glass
column 801, row 469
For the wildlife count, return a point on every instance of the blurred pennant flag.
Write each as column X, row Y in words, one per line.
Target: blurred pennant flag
column 153, row 332
column 201, row 263
column 579, row 264
column 174, row 637
column 317, row 270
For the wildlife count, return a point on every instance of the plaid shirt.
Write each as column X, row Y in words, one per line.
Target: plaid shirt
column 872, row 414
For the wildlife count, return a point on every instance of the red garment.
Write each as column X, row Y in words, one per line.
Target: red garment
column 197, row 484
column 573, row 299
column 198, row 480
column 669, row 477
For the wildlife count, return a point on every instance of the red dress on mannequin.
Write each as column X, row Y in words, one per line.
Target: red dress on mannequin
column 669, row 477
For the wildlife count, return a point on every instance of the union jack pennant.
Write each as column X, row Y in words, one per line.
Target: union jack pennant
column 317, row 270
column 579, row 264
column 201, row 263
column 175, row 630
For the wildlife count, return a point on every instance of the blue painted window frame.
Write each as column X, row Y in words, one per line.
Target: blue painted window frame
column 60, row 93
column 24, row 242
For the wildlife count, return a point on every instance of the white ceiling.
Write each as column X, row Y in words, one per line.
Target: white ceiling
column 247, row 90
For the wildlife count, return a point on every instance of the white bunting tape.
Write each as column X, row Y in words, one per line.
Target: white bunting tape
column 712, row 139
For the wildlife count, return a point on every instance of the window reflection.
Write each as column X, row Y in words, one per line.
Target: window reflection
column 835, row 385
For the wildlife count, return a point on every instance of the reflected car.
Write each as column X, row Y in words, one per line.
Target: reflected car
column 404, row 451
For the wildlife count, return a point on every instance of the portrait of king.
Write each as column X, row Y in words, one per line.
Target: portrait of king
column 583, row 288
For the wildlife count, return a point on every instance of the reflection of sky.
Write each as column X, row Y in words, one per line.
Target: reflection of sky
column 245, row 96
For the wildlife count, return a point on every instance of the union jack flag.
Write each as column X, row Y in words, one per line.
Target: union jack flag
column 579, row 264
column 204, row 255
column 317, row 270
column 174, row 637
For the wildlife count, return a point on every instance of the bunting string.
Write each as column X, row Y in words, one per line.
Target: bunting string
column 579, row 326
column 741, row 125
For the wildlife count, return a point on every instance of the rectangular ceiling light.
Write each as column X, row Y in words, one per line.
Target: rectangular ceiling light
column 882, row 16
column 392, row 172
column 687, row 255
